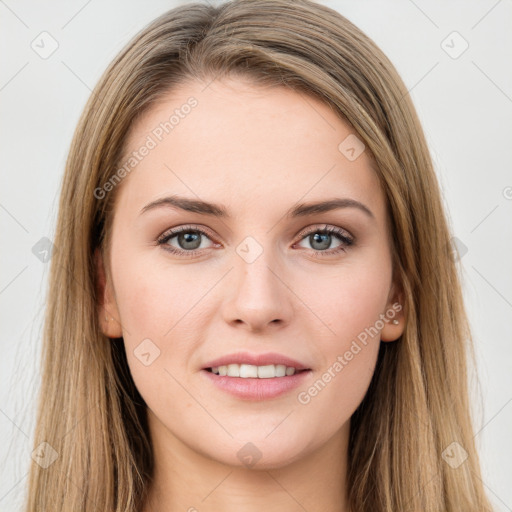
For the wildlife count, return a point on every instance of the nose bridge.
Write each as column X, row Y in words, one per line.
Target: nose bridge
column 259, row 295
column 256, row 269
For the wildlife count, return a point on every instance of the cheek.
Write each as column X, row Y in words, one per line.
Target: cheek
column 333, row 395
column 160, row 313
column 350, row 301
column 351, row 306
column 337, row 388
column 150, row 298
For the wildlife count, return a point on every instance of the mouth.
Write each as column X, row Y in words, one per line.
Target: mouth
column 249, row 371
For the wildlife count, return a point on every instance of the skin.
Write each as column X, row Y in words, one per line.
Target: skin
column 258, row 152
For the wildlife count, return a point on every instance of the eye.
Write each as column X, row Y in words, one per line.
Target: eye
column 321, row 239
column 188, row 239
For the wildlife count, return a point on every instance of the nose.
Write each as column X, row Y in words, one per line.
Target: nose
column 260, row 296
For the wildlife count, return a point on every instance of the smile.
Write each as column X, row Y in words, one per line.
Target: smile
column 246, row 371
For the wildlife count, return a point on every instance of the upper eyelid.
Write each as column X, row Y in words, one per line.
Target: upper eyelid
column 329, row 227
column 180, row 229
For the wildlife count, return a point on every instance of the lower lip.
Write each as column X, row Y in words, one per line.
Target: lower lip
column 257, row 389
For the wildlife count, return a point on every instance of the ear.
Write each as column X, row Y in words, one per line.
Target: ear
column 108, row 314
column 395, row 310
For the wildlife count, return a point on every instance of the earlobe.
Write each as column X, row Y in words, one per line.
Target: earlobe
column 108, row 314
column 393, row 329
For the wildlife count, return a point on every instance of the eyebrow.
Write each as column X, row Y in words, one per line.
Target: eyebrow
column 215, row 210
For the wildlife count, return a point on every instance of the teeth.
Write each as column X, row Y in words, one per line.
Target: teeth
column 267, row 372
column 250, row 371
column 246, row 371
column 233, row 370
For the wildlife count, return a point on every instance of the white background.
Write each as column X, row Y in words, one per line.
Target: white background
column 465, row 105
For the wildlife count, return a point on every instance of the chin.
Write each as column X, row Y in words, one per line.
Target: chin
column 260, row 454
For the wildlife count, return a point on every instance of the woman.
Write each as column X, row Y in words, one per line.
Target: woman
column 254, row 302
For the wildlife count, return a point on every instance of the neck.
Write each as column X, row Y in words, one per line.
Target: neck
column 185, row 480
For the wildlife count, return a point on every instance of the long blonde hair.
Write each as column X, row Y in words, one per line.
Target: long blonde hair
column 417, row 405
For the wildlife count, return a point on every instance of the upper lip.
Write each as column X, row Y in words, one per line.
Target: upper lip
column 256, row 360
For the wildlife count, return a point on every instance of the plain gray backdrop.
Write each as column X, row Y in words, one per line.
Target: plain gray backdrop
column 455, row 58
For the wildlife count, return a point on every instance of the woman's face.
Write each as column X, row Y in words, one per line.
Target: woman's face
column 263, row 278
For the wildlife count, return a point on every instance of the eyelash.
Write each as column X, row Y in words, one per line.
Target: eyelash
column 331, row 230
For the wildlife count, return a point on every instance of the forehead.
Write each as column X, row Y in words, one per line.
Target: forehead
column 247, row 146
